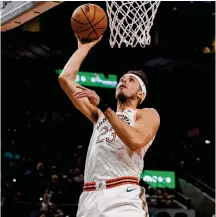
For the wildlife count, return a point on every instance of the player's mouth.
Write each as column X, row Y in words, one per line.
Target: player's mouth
column 122, row 86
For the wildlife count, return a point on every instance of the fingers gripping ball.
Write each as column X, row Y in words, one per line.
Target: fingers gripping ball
column 89, row 22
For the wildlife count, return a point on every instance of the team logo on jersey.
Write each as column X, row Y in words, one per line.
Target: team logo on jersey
column 101, row 122
column 121, row 116
column 124, row 118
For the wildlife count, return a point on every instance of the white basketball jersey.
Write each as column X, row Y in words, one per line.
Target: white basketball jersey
column 107, row 156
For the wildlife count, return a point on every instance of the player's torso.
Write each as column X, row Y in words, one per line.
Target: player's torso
column 107, row 156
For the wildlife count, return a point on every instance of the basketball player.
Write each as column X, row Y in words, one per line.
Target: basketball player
column 118, row 144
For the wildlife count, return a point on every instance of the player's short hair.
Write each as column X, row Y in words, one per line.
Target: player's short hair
column 141, row 74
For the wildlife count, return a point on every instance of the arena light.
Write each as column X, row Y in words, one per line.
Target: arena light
column 159, row 179
column 14, row 180
column 93, row 79
column 40, row 198
column 207, row 142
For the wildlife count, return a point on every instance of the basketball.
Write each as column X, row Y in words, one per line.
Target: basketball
column 89, row 22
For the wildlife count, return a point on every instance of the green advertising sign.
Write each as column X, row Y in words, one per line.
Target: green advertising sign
column 94, row 79
column 159, row 179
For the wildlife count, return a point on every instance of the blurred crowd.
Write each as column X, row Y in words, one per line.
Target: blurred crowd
column 55, row 180
column 37, row 171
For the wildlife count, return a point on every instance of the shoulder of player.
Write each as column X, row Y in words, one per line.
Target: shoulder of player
column 148, row 112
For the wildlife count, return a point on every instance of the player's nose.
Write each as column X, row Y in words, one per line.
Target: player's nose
column 124, row 81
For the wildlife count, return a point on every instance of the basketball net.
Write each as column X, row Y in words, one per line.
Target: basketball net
column 130, row 22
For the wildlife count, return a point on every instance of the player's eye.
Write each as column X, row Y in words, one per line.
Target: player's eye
column 131, row 80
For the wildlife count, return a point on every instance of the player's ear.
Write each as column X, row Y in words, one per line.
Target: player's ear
column 140, row 95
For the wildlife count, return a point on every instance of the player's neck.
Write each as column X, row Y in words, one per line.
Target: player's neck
column 126, row 105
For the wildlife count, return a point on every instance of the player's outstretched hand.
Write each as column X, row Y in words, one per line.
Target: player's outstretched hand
column 94, row 99
column 87, row 44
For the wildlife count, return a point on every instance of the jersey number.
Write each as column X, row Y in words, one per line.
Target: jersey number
column 105, row 130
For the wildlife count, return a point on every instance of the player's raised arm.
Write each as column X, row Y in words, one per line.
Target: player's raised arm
column 69, row 85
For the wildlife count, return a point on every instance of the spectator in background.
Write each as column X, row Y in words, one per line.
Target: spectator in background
column 75, row 182
column 70, row 189
column 40, row 179
column 40, row 169
column 53, row 187
column 55, row 212
column 78, row 177
column 46, row 202
column 51, row 209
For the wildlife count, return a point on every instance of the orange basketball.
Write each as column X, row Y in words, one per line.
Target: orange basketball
column 89, row 22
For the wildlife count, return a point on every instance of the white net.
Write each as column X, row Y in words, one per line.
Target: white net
column 130, row 22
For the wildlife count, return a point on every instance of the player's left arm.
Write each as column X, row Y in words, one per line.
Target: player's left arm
column 146, row 126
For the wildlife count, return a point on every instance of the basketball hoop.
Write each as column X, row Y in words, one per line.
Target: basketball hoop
column 130, row 22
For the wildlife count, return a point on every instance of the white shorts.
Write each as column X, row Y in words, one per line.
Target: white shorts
column 126, row 200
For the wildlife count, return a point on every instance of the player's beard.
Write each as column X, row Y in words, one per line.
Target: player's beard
column 122, row 98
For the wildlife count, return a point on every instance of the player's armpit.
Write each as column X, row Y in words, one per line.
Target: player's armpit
column 147, row 124
column 82, row 104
